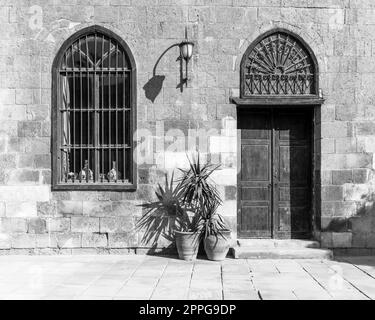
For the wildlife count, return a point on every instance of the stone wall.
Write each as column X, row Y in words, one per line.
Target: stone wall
column 341, row 33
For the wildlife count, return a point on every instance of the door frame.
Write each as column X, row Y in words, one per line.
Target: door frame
column 314, row 109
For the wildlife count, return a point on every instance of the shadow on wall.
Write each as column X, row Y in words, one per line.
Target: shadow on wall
column 158, row 222
column 361, row 225
column 153, row 87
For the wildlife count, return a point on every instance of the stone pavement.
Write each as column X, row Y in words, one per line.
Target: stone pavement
column 159, row 278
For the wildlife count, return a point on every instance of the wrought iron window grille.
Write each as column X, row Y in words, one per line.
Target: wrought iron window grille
column 94, row 103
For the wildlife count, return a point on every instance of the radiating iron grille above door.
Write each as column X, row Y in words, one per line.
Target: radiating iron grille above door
column 94, row 117
column 278, row 64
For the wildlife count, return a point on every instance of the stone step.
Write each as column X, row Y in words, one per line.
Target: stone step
column 273, row 243
column 280, row 249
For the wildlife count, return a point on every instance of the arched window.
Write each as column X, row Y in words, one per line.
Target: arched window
column 93, row 112
column 279, row 63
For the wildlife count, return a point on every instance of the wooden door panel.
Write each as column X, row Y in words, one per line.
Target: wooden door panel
column 255, row 163
column 255, row 125
column 255, row 209
column 275, row 177
column 255, row 194
column 292, row 210
column 298, row 196
column 255, row 221
column 293, row 220
column 292, row 165
column 292, row 127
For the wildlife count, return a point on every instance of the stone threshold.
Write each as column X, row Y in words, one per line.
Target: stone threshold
column 279, row 249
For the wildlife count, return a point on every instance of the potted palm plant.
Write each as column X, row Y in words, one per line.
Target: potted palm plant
column 168, row 218
column 199, row 194
column 216, row 235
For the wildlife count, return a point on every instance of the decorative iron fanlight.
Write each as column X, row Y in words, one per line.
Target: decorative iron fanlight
column 278, row 65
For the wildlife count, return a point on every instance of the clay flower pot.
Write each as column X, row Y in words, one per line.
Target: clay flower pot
column 217, row 247
column 187, row 245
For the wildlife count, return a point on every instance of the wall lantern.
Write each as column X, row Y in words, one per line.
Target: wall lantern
column 186, row 52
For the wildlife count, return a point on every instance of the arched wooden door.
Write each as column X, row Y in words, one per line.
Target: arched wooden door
column 279, row 89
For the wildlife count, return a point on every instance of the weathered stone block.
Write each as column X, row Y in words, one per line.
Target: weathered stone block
column 356, row 192
column 346, row 161
column 225, row 177
column 97, row 208
column 122, row 240
column 340, row 177
column 326, row 240
column 24, row 193
column 42, row 161
column 7, row 96
column 29, row 129
column 346, row 145
column 36, row 145
column 335, row 129
column 370, row 243
column 38, row 113
column 23, row 176
column 58, row 224
column 126, row 208
column 223, row 144
column 23, row 241
column 342, row 239
column 46, row 209
column 46, row 177
column 335, row 224
column 145, row 193
column 332, row 193
column 94, row 240
column 338, row 209
column 67, row 207
column 230, row 192
column 117, row 224
column 13, row 225
column 365, row 128
column 46, row 240
column 361, row 224
column 7, row 161
column 84, row 224
column 361, row 176
column 37, row 225
column 2, row 209
column 327, row 145
column 21, row 209
column 349, row 112
column 325, row 177
column 228, row 208
column 5, row 241
column 17, row 112
column 106, row 14
column 24, row 96
column 68, row 240
column 359, row 240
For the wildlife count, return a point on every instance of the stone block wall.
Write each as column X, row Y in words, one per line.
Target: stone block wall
column 341, row 33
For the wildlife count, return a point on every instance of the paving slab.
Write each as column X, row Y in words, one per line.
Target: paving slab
column 165, row 278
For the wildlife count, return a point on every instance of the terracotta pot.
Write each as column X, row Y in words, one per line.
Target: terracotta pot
column 187, row 245
column 217, row 248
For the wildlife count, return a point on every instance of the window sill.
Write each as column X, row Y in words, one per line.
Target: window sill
column 126, row 187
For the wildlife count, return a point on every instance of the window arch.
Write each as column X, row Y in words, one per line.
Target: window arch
column 93, row 111
column 279, row 63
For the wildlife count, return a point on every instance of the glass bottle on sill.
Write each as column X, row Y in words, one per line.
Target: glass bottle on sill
column 113, row 174
column 86, row 173
column 72, row 177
